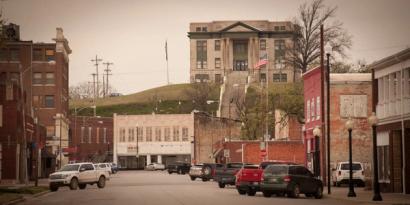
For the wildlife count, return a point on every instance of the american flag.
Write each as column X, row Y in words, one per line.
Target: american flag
column 263, row 60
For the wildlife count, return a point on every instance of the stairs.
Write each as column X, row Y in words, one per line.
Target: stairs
column 234, row 90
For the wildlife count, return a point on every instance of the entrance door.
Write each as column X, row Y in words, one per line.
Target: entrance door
column 240, row 55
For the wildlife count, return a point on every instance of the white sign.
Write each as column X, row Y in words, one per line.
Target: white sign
column 226, row 152
column 353, row 106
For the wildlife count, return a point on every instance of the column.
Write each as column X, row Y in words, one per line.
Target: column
column 159, row 159
column 148, row 159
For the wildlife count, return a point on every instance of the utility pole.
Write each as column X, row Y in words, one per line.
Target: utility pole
column 96, row 61
column 107, row 73
column 94, row 88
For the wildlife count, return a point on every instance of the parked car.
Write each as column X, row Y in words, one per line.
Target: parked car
column 291, row 180
column 78, row 175
column 341, row 174
column 226, row 175
column 178, row 167
column 249, row 177
column 204, row 171
column 114, row 168
column 104, row 166
column 155, row 166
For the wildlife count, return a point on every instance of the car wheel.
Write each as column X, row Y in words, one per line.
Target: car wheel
column 101, row 182
column 241, row 192
column 74, row 184
column 251, row 193
column 204, row 179
column 193, row 178
column 267, row 194
column 53, row 188
column 169, row 172
column 221, row 185
column 82, row 186
column 319, row 192
column 295, row 191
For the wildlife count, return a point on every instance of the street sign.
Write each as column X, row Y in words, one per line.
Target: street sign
column 263, row 153
column 226, row 152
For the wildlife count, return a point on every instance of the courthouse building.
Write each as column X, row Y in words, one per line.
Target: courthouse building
column 219, row 48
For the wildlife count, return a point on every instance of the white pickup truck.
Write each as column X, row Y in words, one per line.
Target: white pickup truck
column 78, row 175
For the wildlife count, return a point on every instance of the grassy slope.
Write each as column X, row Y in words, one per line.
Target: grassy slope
column 145, row 102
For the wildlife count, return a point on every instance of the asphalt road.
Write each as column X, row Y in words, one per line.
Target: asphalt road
column 160, row 188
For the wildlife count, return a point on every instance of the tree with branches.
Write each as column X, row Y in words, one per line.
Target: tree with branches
column 305, row 51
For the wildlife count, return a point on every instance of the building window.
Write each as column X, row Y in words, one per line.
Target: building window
column 49, row 55
column 185, row 134
column 37, row 101
column 50, row 131
column 312, row 109
column 89, row 135
column 217, row 63
column 262, row 44
column 384, row 163
column 218, row 78
column 279, row 53
column 14, row 54
column 282, row 28
column 317, row 107
column 50, row 78
column 122, row 134
column 140, row 134
column 201, row 55
column 176, row 133
column 276, row 28
column 198, row 29
column 37, row 79
column 201, row 77
column 308, row 111
column 105, row 135
column 167, row 134
column 263, row 77
column 280, row 77
column 49, row 101
column 217, row 45
column 9, row 91
column 97, row 136
column 408, row 81
column 204, row 29
column 158, row 134
column 3, row 54
column 149, row 134
column 82, row 135
column 38, row 54
column 131, row 135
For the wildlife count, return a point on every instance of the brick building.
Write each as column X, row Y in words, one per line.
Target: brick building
column 392, row 104
column 90, row 139
column 44, row 72
column 219, row 48
column 16, row 133
column 350, row 96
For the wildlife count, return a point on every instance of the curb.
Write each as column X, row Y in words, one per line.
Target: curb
column 40, row 194
column 21, row 199
column 358, row 200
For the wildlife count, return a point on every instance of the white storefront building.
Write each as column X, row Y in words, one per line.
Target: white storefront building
column 143, row 139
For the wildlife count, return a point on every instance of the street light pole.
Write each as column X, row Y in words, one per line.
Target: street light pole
column 328, row 121
column 349, row 126
column 317, row 133
column 376, row 188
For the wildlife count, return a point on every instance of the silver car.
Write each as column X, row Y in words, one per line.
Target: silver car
column 155, row 166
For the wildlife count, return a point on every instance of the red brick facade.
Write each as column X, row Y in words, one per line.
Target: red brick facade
column 98, row 147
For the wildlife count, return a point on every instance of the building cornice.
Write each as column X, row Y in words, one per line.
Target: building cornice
column 391, row 60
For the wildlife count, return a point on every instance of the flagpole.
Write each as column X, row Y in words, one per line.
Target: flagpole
column 267, row 104
column 166, row 57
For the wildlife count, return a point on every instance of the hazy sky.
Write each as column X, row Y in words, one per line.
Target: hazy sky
column 132, row 33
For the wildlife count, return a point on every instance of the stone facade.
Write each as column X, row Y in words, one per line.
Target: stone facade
column 218, row 48
column 391, row 82
column 142, row 139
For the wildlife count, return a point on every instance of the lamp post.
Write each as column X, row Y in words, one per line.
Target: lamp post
column 349, row 127
column 376, row 189
column 328, row 50
column 317, row 132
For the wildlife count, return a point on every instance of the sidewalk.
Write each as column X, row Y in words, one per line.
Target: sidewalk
column 41, row 182
column 366, row 196
column 12, row 193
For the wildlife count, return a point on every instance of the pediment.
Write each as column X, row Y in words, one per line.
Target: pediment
column 239, row 27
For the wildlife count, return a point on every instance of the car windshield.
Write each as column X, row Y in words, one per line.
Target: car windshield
column 70, row 167
column 276, row 170
column 234, row 165
column 355, row 166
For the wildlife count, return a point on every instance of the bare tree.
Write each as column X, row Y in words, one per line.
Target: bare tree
column 85, row 90
column 306, row 48
column 200, row 94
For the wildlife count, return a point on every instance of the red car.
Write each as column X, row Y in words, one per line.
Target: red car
column 248, row 178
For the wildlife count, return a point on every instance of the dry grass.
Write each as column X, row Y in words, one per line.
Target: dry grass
column 169, row 92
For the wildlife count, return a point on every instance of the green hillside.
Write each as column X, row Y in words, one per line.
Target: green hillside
column 170, row 99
